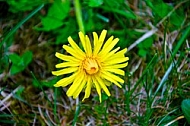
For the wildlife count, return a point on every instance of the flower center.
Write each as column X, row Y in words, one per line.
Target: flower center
column 90, row 66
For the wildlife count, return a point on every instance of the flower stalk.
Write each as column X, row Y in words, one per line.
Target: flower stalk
column 79, row 15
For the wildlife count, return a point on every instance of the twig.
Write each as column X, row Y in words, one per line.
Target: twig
column 41, row 114
column 10, row 95
column 146, row 35
column 178, row 118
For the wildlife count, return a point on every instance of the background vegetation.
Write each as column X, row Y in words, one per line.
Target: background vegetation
column 157, row 82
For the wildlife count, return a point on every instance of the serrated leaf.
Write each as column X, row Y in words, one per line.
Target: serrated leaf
column 186, row 109
column 56, row 13
column 59, row 9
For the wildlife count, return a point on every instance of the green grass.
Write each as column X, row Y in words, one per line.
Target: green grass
column 157, row 82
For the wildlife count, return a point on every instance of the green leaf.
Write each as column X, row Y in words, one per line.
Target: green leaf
column 4, row 63
column 162, row 9
column 16, row 69
column 127, row 14
column 15, row 59
column 186, row 109
column 100, row 109
column 20, row 63
column 119, row 7
column 142, row 52
column 144, row 46
column 104, row 97
column 55, row 16
column 59, row 9
column 95, row 3
column 27, row 57
column 149, row 3
column 49, row 83
column 69, row 29
column 46, row 83
column 50, row 23
column 23, row 5
column 147, row 43
column 177, row 17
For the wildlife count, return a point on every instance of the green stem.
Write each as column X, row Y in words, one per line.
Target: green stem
column 76, row 112
column 79, row 15
column 81, row 28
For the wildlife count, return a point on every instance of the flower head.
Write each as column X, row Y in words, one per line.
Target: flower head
column 99, row 65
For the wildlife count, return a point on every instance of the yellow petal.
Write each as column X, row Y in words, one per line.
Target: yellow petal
column 76, row 83
column 79, row 89
column 98, row 89
column 119, row 54
column 95, row 37
column 76, row 47
column 111, row 77
column 116, row 71
column 107, row 55
column 65, row 81
column 116, row 61
column 66, row 58
column 102, row 35
column 65, row 71
column 67, row 64
column 88, row 46
column 101, row 83
column 108, row 42
column 82, row 39
column 107, row 83
column 73, row 52
column 100, row 42
column 109, row 45
column 116, row 66
column 88, row 88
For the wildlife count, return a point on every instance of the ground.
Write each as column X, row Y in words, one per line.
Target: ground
column 157, row 82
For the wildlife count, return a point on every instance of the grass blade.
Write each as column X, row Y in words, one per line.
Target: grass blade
column 19, row 24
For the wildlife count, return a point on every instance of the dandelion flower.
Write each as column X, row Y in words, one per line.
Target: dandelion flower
column 99, row 65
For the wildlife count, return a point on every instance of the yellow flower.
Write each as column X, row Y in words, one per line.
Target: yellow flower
column 97, row 66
